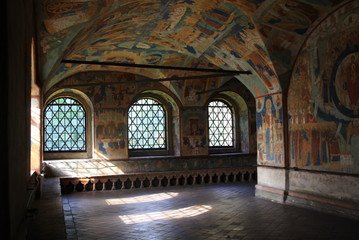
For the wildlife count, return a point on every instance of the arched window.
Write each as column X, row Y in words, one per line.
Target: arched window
column 147, row 125
column 220, row 125
column 64, row 126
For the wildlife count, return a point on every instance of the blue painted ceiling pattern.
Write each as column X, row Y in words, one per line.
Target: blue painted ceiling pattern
column 262, row 36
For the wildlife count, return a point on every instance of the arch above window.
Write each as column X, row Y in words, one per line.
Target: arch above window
column 67, row 125
column 229, row 103
column 150, row 126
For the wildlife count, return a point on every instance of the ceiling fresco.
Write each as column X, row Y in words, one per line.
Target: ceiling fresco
column 286, row 24
column 262, row 36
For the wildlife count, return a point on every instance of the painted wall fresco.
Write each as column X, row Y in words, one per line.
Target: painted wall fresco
column 244, row 126
column 194, row 133
column 323, row 99
column 270, row 129
column 284, row 26
column 245, row 105
column 252, row 126
column 111, row 101
column 246, row 98
column 191, row 90
column 176, row 126
column 110, row 133
column 105, row 96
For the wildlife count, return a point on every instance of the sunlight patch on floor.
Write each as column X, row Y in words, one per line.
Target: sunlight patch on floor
column 166, row 215
column 142, row 199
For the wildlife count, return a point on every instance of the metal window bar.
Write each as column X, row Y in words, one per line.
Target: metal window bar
column 220, row 122
column 147, row 125
column 64, row 126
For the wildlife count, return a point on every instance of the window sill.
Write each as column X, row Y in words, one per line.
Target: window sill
column 149, row 153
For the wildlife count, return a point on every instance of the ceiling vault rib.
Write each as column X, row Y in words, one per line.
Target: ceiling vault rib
column 134, row 65
column 152, row 80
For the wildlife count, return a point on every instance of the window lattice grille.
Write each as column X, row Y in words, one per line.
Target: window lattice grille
column 220, row 122
column 64, row 126
column 146, row 125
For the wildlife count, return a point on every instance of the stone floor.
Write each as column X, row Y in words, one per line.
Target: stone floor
column 227, row 211
column 223, row 211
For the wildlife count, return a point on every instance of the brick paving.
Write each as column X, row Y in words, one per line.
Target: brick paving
column 222, row 211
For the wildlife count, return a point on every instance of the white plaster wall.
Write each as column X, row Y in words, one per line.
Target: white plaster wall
column 271, row 177
column 328, row 185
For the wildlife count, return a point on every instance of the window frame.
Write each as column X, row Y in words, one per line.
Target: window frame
column 235, row 126
column 76, row 154
column 168, row 150
column 85, row 118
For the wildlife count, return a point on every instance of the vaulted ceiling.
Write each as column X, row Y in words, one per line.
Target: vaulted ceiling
column 262, row 36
